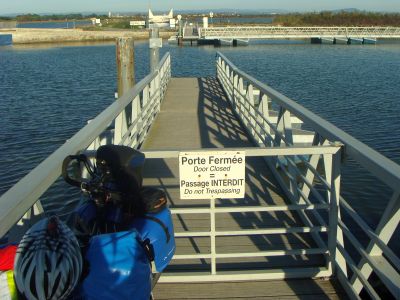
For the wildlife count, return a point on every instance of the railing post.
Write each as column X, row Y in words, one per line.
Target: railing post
column 332, row 169
column 239, row 101
column 212, row 237
column 162, row 73
column 146, row 94
column 230, row 83
column 251, row 112
column 246, row 105
column 158, row 90
column 126, row 80
column 234, row 87
column 284, row 127
column 264, row 112
column 222, row 70
column 313, row 161
column 219, row 64
column 386, row 228
column 227, row 76
column 135, row 116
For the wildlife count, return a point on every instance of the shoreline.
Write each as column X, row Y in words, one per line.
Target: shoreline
column 40, row 35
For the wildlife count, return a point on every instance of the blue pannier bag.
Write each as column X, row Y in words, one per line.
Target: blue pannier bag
column 159, row 229
column 119, row 267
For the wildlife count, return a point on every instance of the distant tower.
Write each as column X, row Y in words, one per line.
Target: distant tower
column 109, row 14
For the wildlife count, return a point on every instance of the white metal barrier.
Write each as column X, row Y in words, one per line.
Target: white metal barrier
column 140, row 105
column 253, row 102
column 331, row 154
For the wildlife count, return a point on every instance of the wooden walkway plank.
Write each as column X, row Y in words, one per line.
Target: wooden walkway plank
column 269, row 289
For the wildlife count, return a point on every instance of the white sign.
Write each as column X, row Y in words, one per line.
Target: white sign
column 98, row 21
column 208, row 175
column 155, row 42
column 137, row 23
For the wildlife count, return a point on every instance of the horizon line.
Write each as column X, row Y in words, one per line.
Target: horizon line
column 220, row 10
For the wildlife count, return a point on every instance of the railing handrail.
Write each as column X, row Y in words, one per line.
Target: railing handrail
column 379, row 165
column 377, row 256
column 249, row 151
column 23, row 195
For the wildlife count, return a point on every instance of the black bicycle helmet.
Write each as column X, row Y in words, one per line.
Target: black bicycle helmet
column 48, row 263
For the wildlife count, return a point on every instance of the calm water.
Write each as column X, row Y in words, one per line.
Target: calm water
column 66, row 24
column 48, row 93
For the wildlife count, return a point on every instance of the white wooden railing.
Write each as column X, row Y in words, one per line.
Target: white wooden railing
column 131, row 115
column 254, row 103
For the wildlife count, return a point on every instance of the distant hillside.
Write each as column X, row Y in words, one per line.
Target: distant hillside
column 329, row 18
column 235, row 11
column 348, row 10
column 53, row 17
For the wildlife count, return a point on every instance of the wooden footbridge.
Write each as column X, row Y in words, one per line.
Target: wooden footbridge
column 286, row 238
column 268, row 32
column 231, row 35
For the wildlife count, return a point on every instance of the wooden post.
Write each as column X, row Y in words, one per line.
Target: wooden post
column 125, row 65
column 180, row 32
column 126, row 80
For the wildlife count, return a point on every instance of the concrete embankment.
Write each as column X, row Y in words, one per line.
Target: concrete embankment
column 31, row 36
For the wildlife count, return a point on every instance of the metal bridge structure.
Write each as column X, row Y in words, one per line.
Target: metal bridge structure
column 281, row 32
column 294, row 222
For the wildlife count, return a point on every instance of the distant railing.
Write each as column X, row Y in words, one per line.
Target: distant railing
column 255, row 32
column 269, row 117
column 126, row 122
column 191, row 31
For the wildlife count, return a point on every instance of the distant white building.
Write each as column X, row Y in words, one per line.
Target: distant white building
column 160, row 20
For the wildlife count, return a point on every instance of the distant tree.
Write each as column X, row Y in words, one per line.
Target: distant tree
column 28, row 17
column 54, row 17
column 6, row 18
column 344, row 18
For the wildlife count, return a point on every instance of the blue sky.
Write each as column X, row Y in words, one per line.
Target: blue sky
column 51, row 6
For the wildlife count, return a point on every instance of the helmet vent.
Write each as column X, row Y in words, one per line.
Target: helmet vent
column 33, row 283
